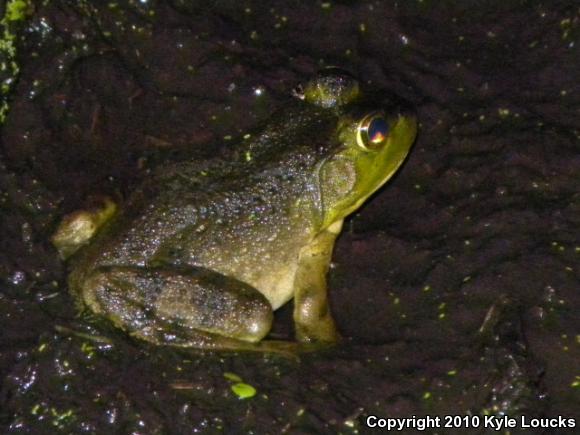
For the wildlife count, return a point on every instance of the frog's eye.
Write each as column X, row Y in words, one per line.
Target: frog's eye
column 372, row 132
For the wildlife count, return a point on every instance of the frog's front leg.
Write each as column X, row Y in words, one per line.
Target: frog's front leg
column 192, row 307
column 312, row 318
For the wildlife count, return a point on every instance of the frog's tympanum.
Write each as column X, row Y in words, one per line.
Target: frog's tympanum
column 203, row 253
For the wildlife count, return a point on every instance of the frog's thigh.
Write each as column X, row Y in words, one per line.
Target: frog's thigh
column 188, row 307
column 312, row 317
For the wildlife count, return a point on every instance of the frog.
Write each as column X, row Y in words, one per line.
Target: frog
column 202, row 253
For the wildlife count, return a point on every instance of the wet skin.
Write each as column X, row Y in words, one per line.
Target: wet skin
column 203, row 253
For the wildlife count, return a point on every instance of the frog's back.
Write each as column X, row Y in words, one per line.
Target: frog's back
column 222, row 216
column 163, row 206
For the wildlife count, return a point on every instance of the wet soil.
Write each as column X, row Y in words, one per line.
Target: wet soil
column 457, row 287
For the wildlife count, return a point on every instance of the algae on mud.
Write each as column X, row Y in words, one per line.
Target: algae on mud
column 13, row 13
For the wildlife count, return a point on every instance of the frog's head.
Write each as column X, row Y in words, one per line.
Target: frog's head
column 372, row 140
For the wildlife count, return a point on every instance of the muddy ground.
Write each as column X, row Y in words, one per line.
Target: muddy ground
column 457, row 286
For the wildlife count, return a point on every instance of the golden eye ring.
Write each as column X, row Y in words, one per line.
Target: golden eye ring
column 372, row 131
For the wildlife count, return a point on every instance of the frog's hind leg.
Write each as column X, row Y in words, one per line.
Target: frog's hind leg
column 191, row 307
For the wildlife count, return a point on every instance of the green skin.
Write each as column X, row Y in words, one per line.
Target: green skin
column 202, row 254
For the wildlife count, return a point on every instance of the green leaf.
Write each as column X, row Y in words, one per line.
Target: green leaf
column 243, row 391
column 232, row 377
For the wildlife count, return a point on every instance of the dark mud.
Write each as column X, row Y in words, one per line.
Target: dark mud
column 458, row 285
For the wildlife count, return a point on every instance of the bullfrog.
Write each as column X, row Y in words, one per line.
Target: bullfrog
column 203, row 253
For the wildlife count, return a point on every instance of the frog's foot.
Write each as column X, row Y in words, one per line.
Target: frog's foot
column 291, row 348
column 78, row 228
column 213, row 342
column 191, row 307
column 321, row 330
column 287, row 349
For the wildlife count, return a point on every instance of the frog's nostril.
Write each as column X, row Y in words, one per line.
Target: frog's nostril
column 407, row 113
